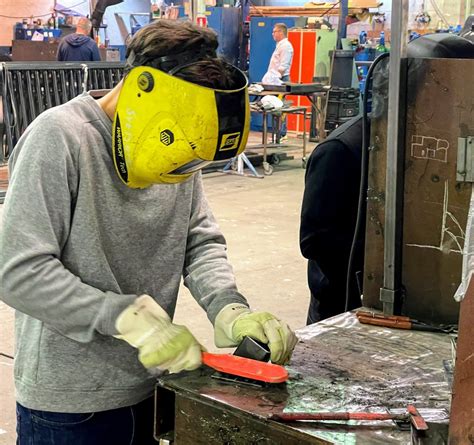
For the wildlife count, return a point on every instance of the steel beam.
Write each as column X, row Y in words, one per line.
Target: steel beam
column 390, row 294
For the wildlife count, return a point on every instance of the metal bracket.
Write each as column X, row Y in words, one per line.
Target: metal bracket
column 389, row 298
column 465, row 160
column 387, row 295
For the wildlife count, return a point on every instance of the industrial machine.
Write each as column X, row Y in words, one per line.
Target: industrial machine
column 438, row 121
column 227, row 23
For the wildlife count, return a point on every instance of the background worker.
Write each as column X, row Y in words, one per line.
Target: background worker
column 328, row 218
column 98, row 230
column 280, row 65
column 282, row 56
column 79, row 47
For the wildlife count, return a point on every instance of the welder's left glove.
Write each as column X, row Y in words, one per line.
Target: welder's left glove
column 236, row 321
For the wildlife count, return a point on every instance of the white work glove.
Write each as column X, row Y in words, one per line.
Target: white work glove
column 236, row 321
column 161, row 344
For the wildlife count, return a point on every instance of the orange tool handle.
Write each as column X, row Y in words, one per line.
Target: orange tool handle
column 386, row 323
column 245, row 367
column 382, row 316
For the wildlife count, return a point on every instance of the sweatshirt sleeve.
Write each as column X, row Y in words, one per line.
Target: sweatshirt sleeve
column 207, row 272
column 36, row 223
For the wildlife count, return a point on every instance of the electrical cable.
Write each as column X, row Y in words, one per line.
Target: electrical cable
column 362, row 203
column 7, row 356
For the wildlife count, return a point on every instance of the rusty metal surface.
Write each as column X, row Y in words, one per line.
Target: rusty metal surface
column 440, row 109
column 436, row 205
column 341, row 365
column 27, row 50
column 461, row 429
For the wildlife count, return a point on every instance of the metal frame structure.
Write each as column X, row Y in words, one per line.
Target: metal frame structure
column 28, row 89
column 390, row 294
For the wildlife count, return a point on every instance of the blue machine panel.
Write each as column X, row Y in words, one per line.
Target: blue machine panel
column 227, row 23
column 262, row 46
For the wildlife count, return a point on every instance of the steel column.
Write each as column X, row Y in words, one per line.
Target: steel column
column 390, row 294
column 342, row 25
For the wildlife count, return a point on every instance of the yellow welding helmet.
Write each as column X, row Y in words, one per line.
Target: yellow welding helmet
column 165, row 128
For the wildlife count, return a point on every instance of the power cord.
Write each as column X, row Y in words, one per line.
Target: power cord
column 6, row 355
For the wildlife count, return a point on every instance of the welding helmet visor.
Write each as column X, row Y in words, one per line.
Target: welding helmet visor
column 166, row 128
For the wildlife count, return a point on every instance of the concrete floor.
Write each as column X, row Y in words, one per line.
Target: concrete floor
column 260, row 219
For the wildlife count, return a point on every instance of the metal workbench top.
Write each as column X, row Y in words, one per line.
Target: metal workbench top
column 340, row 365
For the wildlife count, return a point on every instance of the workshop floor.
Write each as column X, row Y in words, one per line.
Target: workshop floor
column 260, row 219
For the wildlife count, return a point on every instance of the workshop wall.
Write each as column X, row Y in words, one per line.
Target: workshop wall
column 453, row 12
column 13, row 11
column 118, row 20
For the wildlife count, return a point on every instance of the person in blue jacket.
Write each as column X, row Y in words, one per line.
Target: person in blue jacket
column 79, row 47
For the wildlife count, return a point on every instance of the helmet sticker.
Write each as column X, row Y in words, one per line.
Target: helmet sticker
column 119, row 157
column 167, row 137
column 229, row 141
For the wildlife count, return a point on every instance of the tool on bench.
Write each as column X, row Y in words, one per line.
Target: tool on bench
column 411, row 416
column 254, row 349
column 247, row 365
column 399, row 322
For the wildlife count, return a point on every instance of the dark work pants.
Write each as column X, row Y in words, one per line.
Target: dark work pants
column 132, row 425
column 322, row 308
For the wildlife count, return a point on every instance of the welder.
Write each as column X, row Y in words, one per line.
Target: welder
column 104, row 214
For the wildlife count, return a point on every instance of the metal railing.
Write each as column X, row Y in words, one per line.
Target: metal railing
column 28, row 89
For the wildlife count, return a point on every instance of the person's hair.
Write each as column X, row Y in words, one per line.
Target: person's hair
column 171, row 37
column 84, row 24
column 282, row 27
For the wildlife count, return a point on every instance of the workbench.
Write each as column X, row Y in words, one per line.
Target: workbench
column 338, row 365
column 311, row 91
column 267, row 168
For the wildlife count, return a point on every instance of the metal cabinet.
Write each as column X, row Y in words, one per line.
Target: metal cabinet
column 227, row 23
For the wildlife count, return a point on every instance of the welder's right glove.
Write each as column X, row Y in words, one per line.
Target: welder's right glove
column 161, row 344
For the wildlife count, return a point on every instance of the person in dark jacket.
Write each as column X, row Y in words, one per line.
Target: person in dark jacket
column 328, row 219
column 79, row 47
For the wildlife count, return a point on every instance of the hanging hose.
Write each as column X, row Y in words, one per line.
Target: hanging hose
column 361, row 206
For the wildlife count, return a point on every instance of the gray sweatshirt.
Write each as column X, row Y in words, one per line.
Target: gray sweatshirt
column 78, row 246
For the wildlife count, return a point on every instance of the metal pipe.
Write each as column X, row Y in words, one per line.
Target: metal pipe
column 390, row 294
column 342, row 25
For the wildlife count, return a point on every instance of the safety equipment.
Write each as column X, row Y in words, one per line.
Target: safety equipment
column 236, row 321
column 161, row 344
column 166, row 128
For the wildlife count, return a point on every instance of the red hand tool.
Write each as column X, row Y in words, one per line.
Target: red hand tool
column 411, row 415
column 245, row 367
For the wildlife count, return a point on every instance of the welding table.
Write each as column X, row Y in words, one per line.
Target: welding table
column 338, row 365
